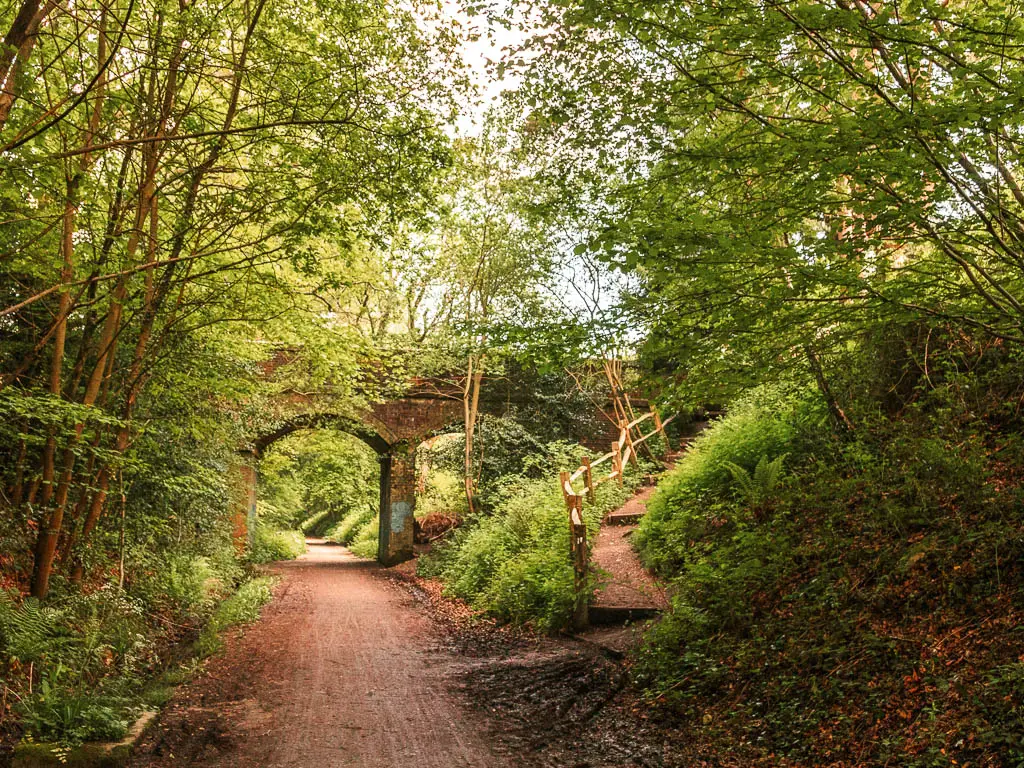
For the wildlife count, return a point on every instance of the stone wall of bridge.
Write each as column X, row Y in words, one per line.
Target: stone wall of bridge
column 394, row 429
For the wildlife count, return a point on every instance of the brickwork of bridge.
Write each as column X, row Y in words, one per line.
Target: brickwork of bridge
column 394, row 428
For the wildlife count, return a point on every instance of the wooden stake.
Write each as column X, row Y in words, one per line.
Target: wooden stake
column 617, row 461
column 580, row 558
column 589, row 475
column 660, row 427
column 629, row 442
column 563, row 481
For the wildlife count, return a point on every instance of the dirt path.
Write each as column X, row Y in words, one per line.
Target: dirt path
column 342, row 670
column 625, row 583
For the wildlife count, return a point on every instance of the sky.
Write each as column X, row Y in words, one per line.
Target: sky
column 492, row 43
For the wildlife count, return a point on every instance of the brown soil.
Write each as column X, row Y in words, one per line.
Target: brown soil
column 340, row 671
column 624, row 582
column 355, row 665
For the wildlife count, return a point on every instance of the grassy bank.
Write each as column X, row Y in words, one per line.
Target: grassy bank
column 861, row 604
column 83, row 666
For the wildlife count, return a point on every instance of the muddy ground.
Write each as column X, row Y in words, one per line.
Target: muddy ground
column 355, row 665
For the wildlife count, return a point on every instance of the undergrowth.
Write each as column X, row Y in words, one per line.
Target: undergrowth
column 865, row 606
column 364, row 542
column 346, row 530
column 82, row 666
column 269, row 544
column 514, row 563
column 242, row 607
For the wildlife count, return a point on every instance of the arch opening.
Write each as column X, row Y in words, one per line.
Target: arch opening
column 393, row 506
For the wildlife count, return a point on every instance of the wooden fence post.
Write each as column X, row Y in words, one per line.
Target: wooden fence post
column 629, row 443
column 578, row 544
column 617, row 461
column 660, row 428
column 589, row 475
column 563, row 481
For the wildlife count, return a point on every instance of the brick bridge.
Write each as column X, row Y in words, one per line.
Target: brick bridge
column 394, row 429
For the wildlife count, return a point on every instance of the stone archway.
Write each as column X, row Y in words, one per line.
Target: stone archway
column 393, row 429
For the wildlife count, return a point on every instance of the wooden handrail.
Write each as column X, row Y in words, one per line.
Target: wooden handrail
column 639, row 419
column 627, row 449
column 644, row 439
column 574, row 500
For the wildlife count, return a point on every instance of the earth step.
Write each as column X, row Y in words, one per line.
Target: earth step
column 627, row 592
column 624, row 518
column 609, row 615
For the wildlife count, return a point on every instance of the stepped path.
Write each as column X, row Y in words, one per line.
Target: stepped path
column 627, row 591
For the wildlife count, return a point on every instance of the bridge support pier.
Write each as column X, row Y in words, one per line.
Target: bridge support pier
column 397, row 502
column 242, row 480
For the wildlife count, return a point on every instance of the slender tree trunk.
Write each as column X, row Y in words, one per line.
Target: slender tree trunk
column 471, row 409
column 53, row 517
column 839, row 416
column 17, row 48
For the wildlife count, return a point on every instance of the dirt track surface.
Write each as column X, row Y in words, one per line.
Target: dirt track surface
column 343, row 669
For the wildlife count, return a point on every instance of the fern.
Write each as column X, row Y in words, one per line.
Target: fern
column 756, row 488
column 29, row 631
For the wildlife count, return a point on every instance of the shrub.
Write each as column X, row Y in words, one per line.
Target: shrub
column 700, row 492
column 185, row 585
column 316, row 524
column 444, row 494
column 243, row 607
column 269, row 545
column 364, row 543
column 515, row 563
column 75, row 663
column 346, row 530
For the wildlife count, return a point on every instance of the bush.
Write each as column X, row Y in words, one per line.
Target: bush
column 316, row 524
column 349, row 527
column 515, row 563
column 243, row 607
column 364, row 543
column 269, row 545
column 702, row 490
column 84, row 656
column 184, row 585
column 444, row 494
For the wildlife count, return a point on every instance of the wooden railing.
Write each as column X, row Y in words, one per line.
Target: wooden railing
column 623, row 452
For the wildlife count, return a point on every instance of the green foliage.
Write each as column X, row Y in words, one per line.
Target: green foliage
column 364, row 542
column 315, row 479
column 767, row 421
column 351, row 525
column 444, row 493
column 515, row 562
column 84, row 656
column 70, row 720
column 853, row 593
column 186, row 586
column 242, row 607
column 269, row 545
column 758, row 487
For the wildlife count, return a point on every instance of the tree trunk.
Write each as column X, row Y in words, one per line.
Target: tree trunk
column 471, row 408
